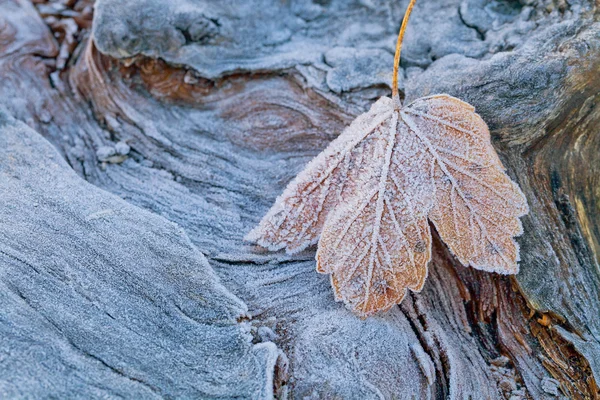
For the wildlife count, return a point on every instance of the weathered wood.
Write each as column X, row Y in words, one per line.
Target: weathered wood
column 220, row 104
column 100, row 297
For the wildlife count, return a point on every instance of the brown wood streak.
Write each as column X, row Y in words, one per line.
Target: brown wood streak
column 305, row 120
column 564, row 362
column 7, row 34
column 519, row 331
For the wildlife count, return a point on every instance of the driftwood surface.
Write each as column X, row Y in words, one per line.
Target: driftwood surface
column 138, row 148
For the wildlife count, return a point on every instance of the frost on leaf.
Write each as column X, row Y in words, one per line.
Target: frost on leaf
column 370, row 194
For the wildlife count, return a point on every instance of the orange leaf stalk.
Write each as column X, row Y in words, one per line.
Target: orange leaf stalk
column 395, row 95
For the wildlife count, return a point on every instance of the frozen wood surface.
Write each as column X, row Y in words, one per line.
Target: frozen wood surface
column 138, row 148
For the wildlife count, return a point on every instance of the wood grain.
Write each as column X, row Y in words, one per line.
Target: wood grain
column 221, row 105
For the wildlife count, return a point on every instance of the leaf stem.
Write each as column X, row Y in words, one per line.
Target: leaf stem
column 399, row 49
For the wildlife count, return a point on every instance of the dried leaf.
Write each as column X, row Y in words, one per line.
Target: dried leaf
column 369, row 196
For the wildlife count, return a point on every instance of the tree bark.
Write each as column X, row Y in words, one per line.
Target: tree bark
column 137, row 149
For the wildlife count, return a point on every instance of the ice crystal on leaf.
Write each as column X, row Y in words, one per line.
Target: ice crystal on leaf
column 370, row 194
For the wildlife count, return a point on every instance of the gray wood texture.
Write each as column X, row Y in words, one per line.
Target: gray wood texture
column 137, row 151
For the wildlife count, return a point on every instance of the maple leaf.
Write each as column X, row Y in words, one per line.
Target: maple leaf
column 368, row 197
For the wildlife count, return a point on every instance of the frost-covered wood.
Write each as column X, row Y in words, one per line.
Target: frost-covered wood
column 100, row 297
column 242, row 96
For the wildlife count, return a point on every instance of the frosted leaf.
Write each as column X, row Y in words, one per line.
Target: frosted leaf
column 370, row 194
